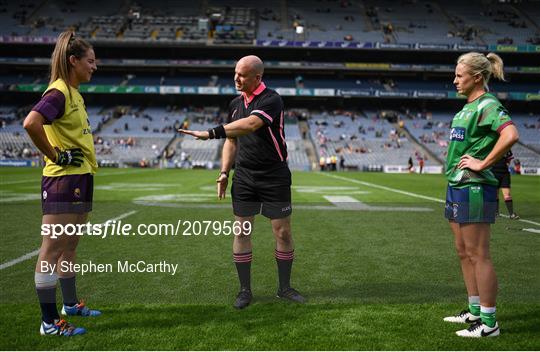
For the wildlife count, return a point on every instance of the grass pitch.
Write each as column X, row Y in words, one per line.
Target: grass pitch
column 379, row 272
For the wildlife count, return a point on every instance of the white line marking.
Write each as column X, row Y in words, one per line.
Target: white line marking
column 123, row 172
column 524, row 220
column 20, row 259
column 530, row 222
column 18, row 181
column 123, row 216
column 2, row 183
column 36, row 252
column 532, row 230
column 350, row 203
column 368, row 184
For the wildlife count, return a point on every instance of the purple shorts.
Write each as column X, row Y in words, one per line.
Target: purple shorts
column 67, row 194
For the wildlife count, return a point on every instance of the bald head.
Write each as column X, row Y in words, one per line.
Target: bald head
column 248, row 73
column 252, row 63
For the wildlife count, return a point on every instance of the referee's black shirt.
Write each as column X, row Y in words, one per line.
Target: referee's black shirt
column 265, row 148
column 501, row 166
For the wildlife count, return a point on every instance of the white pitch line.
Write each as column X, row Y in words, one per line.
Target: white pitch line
column 368, row 184
column 416, row 195
column 524, row 220
column 2, row 183
column 18, row 181
column 22, row 258
column 32, row 254
column 532, row 230
column 530, row 222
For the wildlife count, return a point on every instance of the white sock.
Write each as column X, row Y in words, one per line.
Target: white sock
column 474, row 300
column 487, row 310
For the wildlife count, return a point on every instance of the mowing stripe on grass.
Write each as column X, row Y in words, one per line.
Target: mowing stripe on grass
column 32, row 254
column 411, row 194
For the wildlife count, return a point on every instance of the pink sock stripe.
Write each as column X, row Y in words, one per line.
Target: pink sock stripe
column 242, row 257
column 284, row 255
column 285, row 258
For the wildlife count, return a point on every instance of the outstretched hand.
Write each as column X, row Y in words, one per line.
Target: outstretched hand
column 202, row 135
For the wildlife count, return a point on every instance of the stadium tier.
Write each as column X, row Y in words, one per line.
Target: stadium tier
column 370, row 84
column 236, row 22
column 343, row 108
column 130, row 134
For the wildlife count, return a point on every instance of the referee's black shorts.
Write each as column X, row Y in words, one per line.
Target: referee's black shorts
column 262, row 192
column 503, row 178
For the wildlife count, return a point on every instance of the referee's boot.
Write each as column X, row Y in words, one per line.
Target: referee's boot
column 290, row 294
column 243, row 299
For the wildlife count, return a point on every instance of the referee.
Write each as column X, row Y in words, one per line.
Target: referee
column 500, row 170
column 255, row 143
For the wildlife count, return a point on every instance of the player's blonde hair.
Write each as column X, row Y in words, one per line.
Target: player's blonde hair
column 485, row 65
column 67, row 44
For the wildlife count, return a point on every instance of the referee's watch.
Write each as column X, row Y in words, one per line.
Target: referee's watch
column 226, row 173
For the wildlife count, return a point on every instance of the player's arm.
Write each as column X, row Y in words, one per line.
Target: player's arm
column 49, row 108
column 33, row 124
column 508, row 136
column 234, row 129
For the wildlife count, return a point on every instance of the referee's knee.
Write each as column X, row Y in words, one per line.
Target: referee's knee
column 283, row 234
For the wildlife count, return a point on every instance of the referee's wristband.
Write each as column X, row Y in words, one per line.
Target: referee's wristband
column 217, row 132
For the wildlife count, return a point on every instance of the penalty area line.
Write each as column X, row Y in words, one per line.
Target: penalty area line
column 34, row 253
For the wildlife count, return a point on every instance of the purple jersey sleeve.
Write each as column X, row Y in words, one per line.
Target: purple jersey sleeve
column 51, row 105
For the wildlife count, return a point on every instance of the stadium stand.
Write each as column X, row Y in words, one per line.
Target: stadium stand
column 362, row 139
column 144, row 127
column 457, row 22
column 129, row 149
column 365, row 82
column 131, row 134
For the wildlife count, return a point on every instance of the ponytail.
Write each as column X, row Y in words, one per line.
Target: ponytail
column 496, row 66
column 485, row 65
column 67, row 44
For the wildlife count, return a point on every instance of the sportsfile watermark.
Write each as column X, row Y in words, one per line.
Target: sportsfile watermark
column 120, row 228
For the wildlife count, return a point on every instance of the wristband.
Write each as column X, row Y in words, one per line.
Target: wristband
column 219, row 132
column 211, row 134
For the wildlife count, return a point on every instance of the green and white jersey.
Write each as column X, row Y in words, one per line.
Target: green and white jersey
column 475, row 130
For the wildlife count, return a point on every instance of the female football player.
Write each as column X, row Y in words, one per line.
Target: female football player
column 59, row 127
column 481, row 133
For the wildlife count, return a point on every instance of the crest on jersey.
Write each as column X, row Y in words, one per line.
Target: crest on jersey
column 457, row 134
